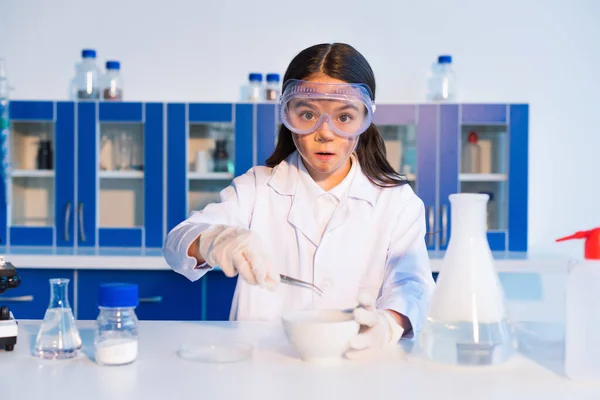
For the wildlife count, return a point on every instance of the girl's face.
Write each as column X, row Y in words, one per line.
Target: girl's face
column 325, row 154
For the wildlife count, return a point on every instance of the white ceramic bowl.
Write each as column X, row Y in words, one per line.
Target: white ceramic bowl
column 320, row 335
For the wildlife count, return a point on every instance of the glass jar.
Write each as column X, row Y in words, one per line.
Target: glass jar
column 116, row 338
column 272, row 88
column 255, row 88
column 113, row 83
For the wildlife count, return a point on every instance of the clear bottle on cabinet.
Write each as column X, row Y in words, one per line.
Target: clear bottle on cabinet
column 442, row 82
column 87, row 78
column 272, row 89
column 113, row 83
column 255, row 87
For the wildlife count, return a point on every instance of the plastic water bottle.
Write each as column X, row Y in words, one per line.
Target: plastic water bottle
column 442, row 83
column 255, row 90
column 87, row 78
column 116, row 339
column 112, row 89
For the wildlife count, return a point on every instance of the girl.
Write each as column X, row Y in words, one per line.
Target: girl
column 327, row 208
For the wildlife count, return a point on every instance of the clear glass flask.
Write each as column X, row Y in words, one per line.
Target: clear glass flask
column 58, row 337
column 467, row 322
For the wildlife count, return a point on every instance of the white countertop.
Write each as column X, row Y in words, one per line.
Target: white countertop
column 152, row 259
column 275, row 372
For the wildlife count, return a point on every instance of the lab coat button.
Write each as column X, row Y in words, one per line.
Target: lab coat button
column 326, row 284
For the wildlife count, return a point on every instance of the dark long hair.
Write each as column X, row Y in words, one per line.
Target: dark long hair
column 340, row 61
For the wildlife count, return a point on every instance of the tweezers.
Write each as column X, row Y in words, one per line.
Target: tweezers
column 297, row 282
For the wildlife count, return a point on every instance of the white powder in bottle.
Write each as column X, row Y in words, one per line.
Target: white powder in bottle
column 116, row 352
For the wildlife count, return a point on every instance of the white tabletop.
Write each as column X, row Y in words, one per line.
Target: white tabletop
column 275, row 371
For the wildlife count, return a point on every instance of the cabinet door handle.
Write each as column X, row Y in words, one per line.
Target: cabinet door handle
column 444, row 224
column 67, row 219
column 155, row 299
column 431, row 237
column 18, row 299
column 81, row 227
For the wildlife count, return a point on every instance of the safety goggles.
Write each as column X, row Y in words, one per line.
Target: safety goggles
column 346, row 107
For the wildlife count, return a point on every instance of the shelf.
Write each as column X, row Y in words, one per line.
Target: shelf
column 32, row 173
column 483, row 177
column 121, row 174
column 209, row 175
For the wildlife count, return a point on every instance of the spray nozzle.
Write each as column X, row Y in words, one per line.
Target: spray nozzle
column 592, row 242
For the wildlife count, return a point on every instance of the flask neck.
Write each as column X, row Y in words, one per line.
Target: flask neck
column 58, row 293
column 469, row 215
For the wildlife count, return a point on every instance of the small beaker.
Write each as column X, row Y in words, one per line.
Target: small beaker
column 58, row 337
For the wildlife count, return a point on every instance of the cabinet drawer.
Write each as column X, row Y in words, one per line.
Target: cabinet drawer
column 164, row 295
column 218, row 295
column 30, row 300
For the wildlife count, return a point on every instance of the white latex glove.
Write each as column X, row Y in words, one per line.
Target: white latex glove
column 378, row 329
column 238, row 250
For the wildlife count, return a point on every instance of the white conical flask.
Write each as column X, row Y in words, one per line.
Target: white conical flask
column 467, row 322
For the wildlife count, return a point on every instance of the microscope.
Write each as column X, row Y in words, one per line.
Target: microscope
column 8, row 325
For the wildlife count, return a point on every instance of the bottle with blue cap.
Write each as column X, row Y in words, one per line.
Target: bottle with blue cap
column 255, row 89
column 272, row 88
column 87, row 78
column 112, row 88
column 116, row 339
column 442, row 82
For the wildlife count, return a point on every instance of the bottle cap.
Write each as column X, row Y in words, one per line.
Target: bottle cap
column 472, row 138
column 592, row 242
column 113, row 65
column 118, row 295
column 445, row 59
column 272, row 77
column 88, row 53
column 254, row 76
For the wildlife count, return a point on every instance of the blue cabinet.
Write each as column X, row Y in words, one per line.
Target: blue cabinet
column 110, row 182
column 431, row 145
column 100, row 185
column 31, row 299
column 210, row 144
column 499, row 133
column 120, row 181
column 218, row 295
column 164, row 295
column 39, row 192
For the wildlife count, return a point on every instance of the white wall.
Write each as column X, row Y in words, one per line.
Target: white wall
column 545, row 53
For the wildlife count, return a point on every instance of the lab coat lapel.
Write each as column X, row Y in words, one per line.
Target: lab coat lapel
column 341, row 214
column 285, row 181
column 301, row 216
column 360, row 189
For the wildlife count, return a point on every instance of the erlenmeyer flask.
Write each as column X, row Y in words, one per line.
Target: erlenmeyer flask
column 467, row 322
column 58, row 337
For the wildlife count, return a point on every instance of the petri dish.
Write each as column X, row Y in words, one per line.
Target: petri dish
column 215, row 353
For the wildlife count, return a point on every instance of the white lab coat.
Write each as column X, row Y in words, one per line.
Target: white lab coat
column 374, row 241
